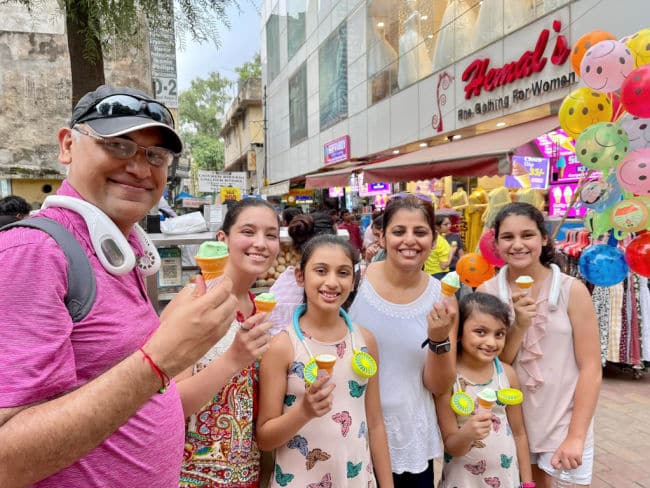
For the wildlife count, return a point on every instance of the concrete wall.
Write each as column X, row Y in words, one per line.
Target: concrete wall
column 35, row 87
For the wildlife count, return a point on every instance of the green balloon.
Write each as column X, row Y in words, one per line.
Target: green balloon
column 602, row 145
column 598, row 224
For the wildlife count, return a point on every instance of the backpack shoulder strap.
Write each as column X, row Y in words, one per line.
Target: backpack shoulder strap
column 82, row 287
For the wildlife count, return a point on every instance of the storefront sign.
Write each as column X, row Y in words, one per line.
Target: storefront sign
column 337, row 150
column 230, row 193
column 478, row 75
column 559, row 198
column 528, row 172
column 336, row 192
column 369, row 189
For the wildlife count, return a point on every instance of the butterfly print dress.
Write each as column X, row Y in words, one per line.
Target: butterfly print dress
column 491, row 462
column 331, row 451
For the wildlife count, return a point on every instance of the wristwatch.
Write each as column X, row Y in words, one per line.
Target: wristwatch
column 438, row 347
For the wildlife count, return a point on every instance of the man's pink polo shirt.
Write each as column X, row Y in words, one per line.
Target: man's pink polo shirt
column 44, row 355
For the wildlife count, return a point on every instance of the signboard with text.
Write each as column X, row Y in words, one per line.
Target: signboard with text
column 337, row 151
column 212, row 181
column 162, row 46
column 528, row 172
column 230, row 193
column 559, row 197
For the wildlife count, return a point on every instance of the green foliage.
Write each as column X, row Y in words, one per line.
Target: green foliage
column 250, row 69
column 201, row 104
column 207, row 151
column 121, row 20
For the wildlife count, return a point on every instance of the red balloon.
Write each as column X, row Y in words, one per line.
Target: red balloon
column 488, row 246
column 637, row 254
column 635, row 92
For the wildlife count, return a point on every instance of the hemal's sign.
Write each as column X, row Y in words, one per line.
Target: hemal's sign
column 479, row 76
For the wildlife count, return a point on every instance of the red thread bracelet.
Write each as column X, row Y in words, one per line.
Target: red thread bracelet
column 164, row 377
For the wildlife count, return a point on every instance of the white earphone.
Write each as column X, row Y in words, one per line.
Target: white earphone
column 112, row 248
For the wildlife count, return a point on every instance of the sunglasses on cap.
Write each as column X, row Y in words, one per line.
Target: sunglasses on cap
column 419, row 196
column 124, row 106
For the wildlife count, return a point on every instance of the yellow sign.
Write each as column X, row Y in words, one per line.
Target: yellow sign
column 230, row 193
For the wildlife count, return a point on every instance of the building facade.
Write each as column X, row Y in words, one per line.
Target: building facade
column 243, row 133
column 368, row 80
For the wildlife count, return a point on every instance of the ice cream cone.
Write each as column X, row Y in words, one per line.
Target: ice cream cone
column 448, row 290
column 212, row 268
column 486, row 399
column 262, row 306
column 524, row 180
column 520, row 173
column 525, row 283
column 326, row 362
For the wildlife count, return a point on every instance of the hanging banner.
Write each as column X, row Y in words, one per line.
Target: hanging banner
column 212, row 181
column 230, row 193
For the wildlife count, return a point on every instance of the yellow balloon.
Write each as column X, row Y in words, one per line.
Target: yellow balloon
column 583, row 107
column 639, row 45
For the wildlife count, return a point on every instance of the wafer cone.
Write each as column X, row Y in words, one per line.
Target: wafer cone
column 448, row 290
column 326, row 362
column 212, row 268
column 264, row 306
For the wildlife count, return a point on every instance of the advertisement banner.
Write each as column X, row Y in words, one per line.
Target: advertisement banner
column 337, row 151
column 230, row 193
column 528, row 172
column 559, row 198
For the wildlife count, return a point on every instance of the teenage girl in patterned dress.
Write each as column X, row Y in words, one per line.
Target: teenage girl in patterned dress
column 329, row 434
column 485, row 448
column 220, row 391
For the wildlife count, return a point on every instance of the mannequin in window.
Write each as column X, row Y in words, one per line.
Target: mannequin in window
column 494, row 21
column 382, row 62
column 456, row 34
column 413, row 58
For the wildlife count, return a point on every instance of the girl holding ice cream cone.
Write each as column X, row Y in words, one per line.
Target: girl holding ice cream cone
column 551, row 311
column 220, row 392
column 319, row 392
column 480, row 419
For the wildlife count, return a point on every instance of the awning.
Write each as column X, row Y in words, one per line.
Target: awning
column 276, row 189
column 338, row 177
column 483, row 155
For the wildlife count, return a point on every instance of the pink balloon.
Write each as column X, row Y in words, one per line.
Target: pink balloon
column 606, row 65
column 487, row 244
column 634, row 172
column 635, row 92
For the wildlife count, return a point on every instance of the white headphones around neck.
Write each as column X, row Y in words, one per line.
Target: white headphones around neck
column 112, row 248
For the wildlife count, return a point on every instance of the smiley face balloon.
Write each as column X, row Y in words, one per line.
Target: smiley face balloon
column 582, row 108
column 638, row 131
column 602, row 145
column 634, row 172
column 635, row 92
column 639, row 45
column 606, row 65
column 583, row 44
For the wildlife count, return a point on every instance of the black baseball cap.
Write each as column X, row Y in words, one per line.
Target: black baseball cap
column 113, row 111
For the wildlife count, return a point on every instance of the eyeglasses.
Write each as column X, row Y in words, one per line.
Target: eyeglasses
column 125, row 149
column 126, row 105
column 419, row 196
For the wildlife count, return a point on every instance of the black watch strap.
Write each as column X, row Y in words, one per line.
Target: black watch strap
column 438, row 347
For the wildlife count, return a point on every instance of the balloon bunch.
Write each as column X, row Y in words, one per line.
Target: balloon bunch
column 610, row 122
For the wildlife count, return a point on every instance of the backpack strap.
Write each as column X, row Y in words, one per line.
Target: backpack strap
column 82, row 287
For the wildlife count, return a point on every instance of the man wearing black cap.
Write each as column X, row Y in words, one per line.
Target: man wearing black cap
column 90, row 402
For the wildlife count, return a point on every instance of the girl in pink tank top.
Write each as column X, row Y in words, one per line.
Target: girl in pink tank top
column 560, row 376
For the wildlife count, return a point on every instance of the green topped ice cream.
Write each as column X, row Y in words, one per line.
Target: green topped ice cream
column 213, row 249
column 212, row 259
column 450, row 283
column 265, row 297
column 264, row 302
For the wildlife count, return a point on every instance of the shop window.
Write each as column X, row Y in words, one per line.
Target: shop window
column 298, row 105
column 408, row 40
column 296, row 12
column 273, row 47
column 333, row 78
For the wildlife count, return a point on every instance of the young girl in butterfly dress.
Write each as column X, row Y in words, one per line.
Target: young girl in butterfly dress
column 485, row 447
column 329, row 433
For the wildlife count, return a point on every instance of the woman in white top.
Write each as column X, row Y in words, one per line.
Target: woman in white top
column 403, row 306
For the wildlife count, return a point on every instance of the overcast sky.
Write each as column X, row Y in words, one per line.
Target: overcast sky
column 238, row 45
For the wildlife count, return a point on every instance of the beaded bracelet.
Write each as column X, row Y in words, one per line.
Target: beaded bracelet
column 527, row 484
column 164, row 377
